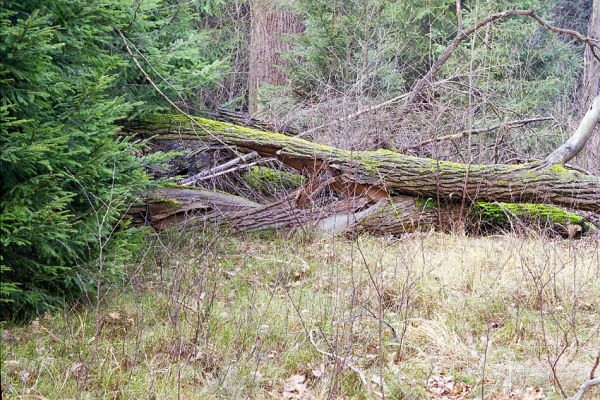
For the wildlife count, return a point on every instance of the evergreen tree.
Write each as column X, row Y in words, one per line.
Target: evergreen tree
column 67, row 177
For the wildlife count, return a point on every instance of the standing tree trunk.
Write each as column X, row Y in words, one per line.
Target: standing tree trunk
column 591, row 65
column 590, row 86
column 271, row 23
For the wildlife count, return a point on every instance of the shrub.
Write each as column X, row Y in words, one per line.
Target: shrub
column 66, row 176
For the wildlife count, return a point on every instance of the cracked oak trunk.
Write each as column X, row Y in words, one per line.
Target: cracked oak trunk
column 383, row 173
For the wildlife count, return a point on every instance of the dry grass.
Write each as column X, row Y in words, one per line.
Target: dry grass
column 230, row 317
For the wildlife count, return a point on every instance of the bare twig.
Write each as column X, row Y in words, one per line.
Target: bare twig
column 463, row 35
column 164, row 96
column 352, row 367
column 577, row 142
column 460, row 135
column 596, row 362
column 363, row 111
column 230, row 170
column 211, row 172
column 410, row 97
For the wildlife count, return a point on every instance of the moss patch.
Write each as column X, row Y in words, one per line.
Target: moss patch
column 425, row 203
column 500, row 213
column 265, row 179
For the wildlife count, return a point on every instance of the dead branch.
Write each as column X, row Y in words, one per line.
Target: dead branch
column 378, row 174
column 460, row 135
column 345, row 363
column 411, row 97
column 587, row 385
column 213, row 172
column 577, row 142
column 363, row 111
column 463, row 35
column 596, row 363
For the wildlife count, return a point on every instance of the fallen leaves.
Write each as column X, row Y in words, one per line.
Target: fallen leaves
column 530, row 393
column 445, row 387
column 294, row 387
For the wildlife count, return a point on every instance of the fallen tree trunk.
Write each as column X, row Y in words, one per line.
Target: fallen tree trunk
column 383, row 173
column 400, row 214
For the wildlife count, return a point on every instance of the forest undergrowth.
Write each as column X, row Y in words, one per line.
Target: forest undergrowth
column 207, row 315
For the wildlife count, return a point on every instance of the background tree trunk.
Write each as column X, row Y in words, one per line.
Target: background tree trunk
column 590, row 85
column 271, row 22
column 591, row 65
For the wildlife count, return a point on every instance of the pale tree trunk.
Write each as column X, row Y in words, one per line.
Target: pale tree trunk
column 271, row 24
column 590, row 86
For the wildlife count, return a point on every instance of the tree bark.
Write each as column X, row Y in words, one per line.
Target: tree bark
column 591, row 65
column 270, row 24
column 582, row 135
column 398, row 215
column 383, row 173
column 173, row 205
column 590, row 86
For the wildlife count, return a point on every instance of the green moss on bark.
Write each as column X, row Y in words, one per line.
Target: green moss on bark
column 425, row 203
column 501, row 213
column 265, row 179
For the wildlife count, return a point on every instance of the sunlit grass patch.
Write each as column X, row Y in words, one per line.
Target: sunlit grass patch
column 230, row 317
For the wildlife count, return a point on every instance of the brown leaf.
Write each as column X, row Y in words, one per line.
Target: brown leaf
column 531, row 393
column 444, row 387
column 295, row 387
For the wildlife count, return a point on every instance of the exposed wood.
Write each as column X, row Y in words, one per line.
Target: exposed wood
column 170, row 206
column 390, row 173
column 585, row 387
column 285, row 215
column 218, row 169
column 395, row 216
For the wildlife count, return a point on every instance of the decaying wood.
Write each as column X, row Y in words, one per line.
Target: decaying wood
column 170, row 206
column 397, row 215
column 213, row 172
column 384, row 173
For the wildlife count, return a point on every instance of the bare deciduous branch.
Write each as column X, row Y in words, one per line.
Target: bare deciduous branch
column 460, row 135
column 587, row 385
column 577, row 142
column 410, row 97
column 220, row 168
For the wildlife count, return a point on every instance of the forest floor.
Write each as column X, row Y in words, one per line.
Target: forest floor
column 426, row 316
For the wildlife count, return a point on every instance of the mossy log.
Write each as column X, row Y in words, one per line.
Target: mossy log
column 383, row 173
column 400, row 214
column 265, row 179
